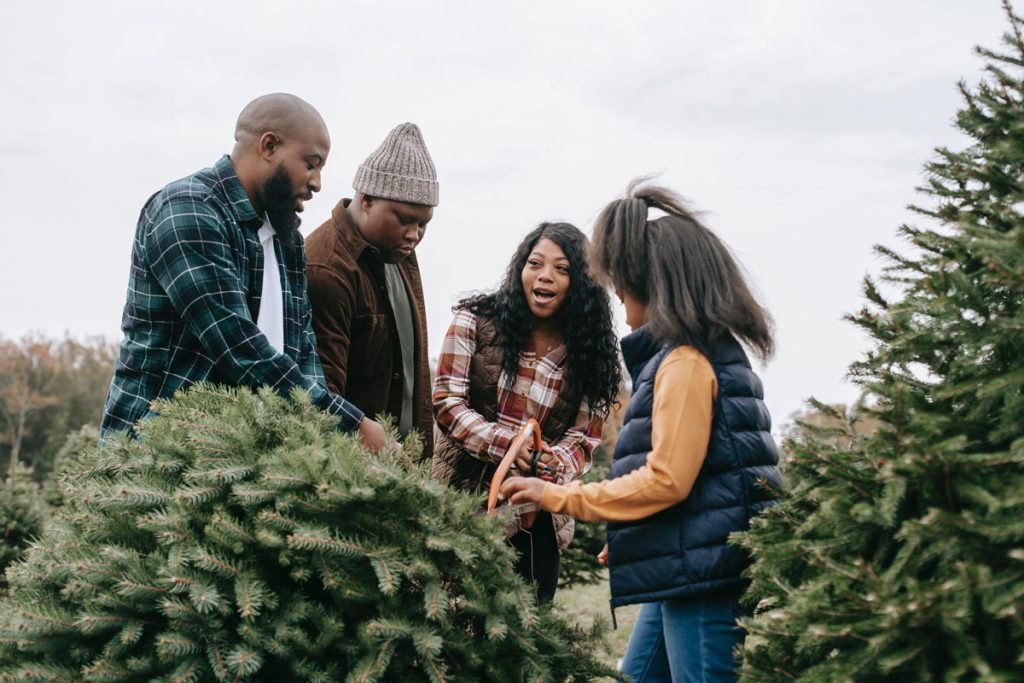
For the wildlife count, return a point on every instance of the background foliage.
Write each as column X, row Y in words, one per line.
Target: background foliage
column 49, row 388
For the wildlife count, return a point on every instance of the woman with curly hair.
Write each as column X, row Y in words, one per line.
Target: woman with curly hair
column 542, row 346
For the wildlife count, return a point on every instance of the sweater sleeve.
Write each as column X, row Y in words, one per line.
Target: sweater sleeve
column 684, row 397
column 575, row 449
column 484, row 440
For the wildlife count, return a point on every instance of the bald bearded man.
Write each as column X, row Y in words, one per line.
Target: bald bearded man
column 217, row 286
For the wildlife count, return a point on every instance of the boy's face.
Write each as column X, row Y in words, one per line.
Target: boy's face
column 394, row 228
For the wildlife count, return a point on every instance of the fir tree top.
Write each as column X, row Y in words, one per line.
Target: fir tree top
column 897, row 554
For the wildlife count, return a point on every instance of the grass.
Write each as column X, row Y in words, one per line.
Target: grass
column 587, row 603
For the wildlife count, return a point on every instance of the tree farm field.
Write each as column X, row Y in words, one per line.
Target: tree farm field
column 585, row 604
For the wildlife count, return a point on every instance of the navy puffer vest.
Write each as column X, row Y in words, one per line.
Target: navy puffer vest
column 682, row 550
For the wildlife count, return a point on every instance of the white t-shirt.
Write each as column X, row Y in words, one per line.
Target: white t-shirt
column 271, row 317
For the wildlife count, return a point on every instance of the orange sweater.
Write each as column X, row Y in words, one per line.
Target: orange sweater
column 684, row 396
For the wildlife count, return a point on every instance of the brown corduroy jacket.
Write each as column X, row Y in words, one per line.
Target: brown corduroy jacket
column 356, row 332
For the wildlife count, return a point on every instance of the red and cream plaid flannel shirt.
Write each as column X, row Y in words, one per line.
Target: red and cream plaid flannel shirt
column 537, row 385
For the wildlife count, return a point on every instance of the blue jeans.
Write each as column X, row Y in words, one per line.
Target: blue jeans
column 687, row 640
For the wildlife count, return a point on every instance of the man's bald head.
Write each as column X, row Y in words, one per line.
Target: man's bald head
column 279, row 113
column 281, row 145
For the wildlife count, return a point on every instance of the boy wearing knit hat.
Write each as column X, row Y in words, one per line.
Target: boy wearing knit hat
column 365, row 288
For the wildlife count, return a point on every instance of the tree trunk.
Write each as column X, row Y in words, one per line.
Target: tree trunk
column 16, row 444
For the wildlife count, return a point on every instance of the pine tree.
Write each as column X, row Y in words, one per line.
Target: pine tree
column 75, row 444
column 243, row 538
column 899, row 555
column 21, row 516
column 579, row 565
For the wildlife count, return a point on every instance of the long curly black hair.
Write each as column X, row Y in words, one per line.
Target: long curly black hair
column 592, row 370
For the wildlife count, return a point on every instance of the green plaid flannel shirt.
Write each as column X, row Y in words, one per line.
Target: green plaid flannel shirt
column 193, row 298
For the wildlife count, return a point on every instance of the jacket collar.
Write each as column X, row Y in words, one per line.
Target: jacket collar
column 238, row 200
column 348, row 231
column 638, row 348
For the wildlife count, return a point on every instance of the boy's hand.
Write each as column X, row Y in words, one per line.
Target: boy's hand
column 372, row 435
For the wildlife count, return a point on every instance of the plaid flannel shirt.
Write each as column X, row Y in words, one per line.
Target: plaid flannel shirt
column 537, row 385
column 193, row 298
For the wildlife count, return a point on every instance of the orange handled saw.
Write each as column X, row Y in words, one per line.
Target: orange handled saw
column 529, row 432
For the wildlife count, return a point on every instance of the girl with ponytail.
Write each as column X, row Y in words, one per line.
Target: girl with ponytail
column 695, row 446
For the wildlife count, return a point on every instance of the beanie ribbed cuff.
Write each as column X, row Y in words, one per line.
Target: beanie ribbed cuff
column 399, row 188
column 400, row 169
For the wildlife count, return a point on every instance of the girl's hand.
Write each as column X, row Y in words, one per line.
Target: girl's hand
column 518, row 490
column 602, row 557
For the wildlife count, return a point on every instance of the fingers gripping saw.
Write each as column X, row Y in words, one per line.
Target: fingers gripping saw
column 528, row 435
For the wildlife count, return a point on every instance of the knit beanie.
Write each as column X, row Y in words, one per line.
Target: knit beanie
column 400, row 169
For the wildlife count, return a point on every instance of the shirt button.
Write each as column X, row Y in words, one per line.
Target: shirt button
column 395, row 376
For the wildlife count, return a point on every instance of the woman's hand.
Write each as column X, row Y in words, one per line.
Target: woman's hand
column 547, row 458
column 518, row 490
column 602, row 557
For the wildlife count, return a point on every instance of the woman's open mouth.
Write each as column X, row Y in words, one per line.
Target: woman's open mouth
column 543, row 296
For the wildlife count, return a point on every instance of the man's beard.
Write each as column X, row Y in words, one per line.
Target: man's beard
column 280, row 202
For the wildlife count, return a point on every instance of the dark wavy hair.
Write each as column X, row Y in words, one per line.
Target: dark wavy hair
column 694, row 290
column 592, row 370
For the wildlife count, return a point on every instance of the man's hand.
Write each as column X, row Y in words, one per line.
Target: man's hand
column 520, row 490
column 602, row 557
column 372, row 435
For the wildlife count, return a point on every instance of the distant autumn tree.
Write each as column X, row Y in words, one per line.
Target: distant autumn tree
column 49, row 388
column 837, row 422
column 28, row 376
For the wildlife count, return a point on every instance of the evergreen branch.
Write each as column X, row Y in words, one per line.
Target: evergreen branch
column 244, row 662
column 198, row 495
column 212, row 562
column 372, row 670
column 172, row 645
column 188, row 672
column 216, row 659
column 39, row 672
column 321, row 541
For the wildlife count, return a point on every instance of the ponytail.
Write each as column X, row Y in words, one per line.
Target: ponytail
column 693, row 288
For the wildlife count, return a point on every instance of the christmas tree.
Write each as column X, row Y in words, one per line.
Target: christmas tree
column 898, row 554
column 579, row 565
column 244, row 538
column 21, row 516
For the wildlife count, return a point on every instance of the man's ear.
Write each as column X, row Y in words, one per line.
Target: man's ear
column 365, row 201
column 268, row 145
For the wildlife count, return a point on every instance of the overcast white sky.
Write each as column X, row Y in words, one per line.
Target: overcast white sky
column 800, row 126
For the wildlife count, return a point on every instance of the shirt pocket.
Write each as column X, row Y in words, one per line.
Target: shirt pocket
column 367, row 345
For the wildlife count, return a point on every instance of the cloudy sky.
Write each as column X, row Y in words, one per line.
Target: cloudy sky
column 799, row 126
